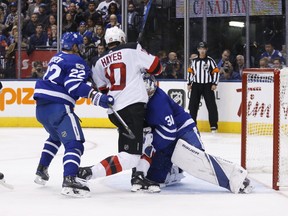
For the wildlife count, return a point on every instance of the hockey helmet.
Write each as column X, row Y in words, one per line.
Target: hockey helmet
column 115, row 34
column 150, row 84
column 69, row 39
column 202, row 44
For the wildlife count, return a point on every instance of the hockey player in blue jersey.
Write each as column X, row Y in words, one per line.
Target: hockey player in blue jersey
column 177, row 141
column 56, row 94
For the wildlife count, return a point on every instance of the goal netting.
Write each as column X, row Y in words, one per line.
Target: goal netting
column 264, row 136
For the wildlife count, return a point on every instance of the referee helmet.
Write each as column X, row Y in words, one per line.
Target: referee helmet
column 202, row 44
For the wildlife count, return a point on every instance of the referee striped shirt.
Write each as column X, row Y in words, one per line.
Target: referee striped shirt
column 203, row 70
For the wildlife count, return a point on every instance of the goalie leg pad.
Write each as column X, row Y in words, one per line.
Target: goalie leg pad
column 207, row 167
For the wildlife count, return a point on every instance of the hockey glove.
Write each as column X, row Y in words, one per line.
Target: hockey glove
column 99, row 99
column 148, row 148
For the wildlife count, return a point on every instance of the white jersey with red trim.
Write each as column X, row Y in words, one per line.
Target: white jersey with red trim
column 120, row 69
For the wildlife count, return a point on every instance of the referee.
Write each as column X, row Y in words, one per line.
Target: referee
column 203, row 77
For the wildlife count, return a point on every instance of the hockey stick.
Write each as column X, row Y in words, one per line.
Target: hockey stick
column 130, row 134
column 140, row 36
column 2, row 182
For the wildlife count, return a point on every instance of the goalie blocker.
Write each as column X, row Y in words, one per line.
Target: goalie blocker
column 210, row 168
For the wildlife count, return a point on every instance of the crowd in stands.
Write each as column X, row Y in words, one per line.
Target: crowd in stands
column 91, row 18
column 231, row 67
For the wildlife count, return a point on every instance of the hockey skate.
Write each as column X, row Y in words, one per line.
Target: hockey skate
column 246, row 187
column 140, row 183
column 85, row 173
column 3, row 182
column 74, row 188
column 42, row 175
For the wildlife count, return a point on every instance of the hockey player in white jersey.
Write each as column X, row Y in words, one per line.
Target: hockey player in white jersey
column 118, row 72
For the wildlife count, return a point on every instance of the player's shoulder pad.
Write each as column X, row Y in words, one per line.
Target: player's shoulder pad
column 130, row 45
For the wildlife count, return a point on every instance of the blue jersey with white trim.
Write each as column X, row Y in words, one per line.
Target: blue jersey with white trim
column 64, row 81
column 168, row 120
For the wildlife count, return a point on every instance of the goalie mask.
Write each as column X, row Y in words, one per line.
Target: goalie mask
column 150, row 84
column 115, row 34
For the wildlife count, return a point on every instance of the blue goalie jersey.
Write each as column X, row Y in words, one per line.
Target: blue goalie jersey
column 64, row 81
column 168, row 120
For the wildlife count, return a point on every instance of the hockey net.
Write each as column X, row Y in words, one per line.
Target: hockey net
column 264, row 136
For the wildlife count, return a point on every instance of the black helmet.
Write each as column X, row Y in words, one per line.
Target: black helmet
column 202, row 44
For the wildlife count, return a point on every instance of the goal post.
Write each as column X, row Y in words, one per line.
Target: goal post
column 264, row 132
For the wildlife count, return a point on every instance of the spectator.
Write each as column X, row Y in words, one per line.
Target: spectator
column 3, row 42
column 30, row 26
column 71, row 8
column 53, row 9
column 226, row 71
column 103, row 7
column 88, row 51
column 12, row 16
column 37, row 70
column 83, row 30
column 33, row 8
column 90, row 24
column 2, row 15
column 42, row 15
column 51, row 21
column 133, row 23
column 173, row 67
column 3, row 9
column 52, row 36
column 10, row 56
column 113, row 9
column 225, row 66
column 69, row 25
column 98, row 35
column 11, row 50
column 11, row 36
column 283, row 51
column 162, row 55
column 100, row 49
column 277, row 63
column 224, row 58
column 271, row 53
column 202, row 81
column 37, row 39
column 96, row 16
column 240, row 64
column 76, row 13
column 263, row 62
column 113, row 22
column 239, row 67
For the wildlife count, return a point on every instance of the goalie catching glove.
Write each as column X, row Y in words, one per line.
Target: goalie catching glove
column 99, row 99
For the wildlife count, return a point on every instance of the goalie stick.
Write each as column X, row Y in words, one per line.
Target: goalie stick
column 2, row 182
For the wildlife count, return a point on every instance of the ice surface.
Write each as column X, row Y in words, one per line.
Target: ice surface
column 20, row 149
